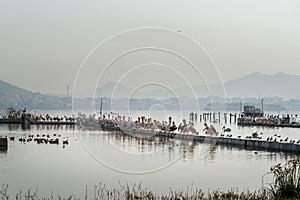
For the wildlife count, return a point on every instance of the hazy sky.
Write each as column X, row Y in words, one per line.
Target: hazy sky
column 43, row 43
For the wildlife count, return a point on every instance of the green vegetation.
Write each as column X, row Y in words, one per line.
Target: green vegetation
column 286, row 180
column 285, row 186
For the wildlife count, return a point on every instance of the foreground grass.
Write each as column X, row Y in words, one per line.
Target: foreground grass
column 137, row 192
column 286, row 185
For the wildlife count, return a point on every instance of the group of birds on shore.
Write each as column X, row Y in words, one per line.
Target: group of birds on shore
column 56, row 118
column 275, row 138
column 224, row 129
column 42, row 139
column 255, row 135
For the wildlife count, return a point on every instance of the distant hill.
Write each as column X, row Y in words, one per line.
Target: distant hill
column 9, row 90
column 108, row 90
column 270, row 87
column 256, row 84
column 252, row 85
column 13, row 96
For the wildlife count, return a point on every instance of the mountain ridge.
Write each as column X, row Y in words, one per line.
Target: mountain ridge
column 251, row 85
column 279, row 84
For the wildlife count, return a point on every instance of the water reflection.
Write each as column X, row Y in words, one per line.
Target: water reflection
column 203, row 164
column 25, row 127
column 13, row 127
column 188, row 150
column 37, row 127
column 3, row 150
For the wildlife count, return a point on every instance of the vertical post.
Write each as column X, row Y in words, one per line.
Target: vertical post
column 225, row 118
column 68, row 94
column 101, row 107
column 262, row 105
column 235, row 118
column 219, row 116
column 241, row 107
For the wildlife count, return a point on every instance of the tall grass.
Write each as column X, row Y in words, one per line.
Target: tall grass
column 286, row 180
column 138, row 192
column 286, row 185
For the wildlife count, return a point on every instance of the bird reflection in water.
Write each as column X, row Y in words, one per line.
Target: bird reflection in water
column 207, row 151
column 13, row 127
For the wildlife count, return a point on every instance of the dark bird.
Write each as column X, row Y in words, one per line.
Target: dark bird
column 54, row 141
column 286, row 139
column 226, row 129
column 255, row 135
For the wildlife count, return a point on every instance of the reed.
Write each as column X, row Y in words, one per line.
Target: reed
column 138, row 192
column 286, row 185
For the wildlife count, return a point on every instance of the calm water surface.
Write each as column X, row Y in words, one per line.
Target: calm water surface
column 94, row 156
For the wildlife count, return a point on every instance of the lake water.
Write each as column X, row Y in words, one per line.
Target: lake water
column 94, row 156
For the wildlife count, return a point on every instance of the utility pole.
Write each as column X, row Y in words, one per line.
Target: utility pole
column 241, row 107
column 100, row 102
column 68, row 91
column 101, row 107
